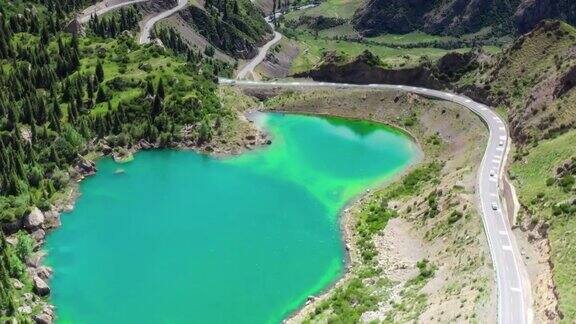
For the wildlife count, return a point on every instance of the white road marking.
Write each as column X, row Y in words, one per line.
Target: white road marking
column 502, row 128
column 493, row 195
column 500, row 149
column 503, row 233
column 515, row 289
column 506, row 247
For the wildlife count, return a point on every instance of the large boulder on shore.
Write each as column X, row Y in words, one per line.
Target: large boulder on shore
column 38, row 235
column 34, row 219
column 44, row 272
column 52, row 219
column 46, row 316
column 85, row 167
column 40, row 286
column 43, row 319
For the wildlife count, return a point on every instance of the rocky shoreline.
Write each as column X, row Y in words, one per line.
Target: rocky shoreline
column 39, row 223
column 347, row 222
column 348, row 218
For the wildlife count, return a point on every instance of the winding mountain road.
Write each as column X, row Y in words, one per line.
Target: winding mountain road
column 101, row 8
column 248, row 69
column 149, row 23
column 514, row 292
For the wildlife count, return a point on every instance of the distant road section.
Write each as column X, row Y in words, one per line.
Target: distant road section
column 103, row 7
column 149, row 23
column 248, row 69
column 514, row 291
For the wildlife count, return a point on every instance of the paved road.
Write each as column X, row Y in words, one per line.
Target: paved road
column 101, row 8
column 149, row 24
column 514, row 294
column 248, row 69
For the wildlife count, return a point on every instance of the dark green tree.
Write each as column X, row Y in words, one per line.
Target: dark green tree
column 160, row 89
column 99, row 72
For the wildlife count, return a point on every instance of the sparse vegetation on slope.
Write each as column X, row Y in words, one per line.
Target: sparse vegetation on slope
column 533, row 80
column 427, row 279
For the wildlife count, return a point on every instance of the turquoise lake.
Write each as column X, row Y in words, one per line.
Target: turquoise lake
column 181, row 237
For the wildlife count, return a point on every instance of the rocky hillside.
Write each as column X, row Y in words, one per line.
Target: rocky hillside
column 534, row 81
column 366, row 69
column 457, row 17
column 235, row 27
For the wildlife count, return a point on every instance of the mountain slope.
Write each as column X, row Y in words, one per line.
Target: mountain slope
column 457, row 17
column 235, row 27
column 534, row 80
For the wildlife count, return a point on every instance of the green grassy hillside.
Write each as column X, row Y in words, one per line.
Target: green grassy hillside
column 549, row 197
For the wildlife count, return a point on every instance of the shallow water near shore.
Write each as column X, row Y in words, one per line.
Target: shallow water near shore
column 180, row 237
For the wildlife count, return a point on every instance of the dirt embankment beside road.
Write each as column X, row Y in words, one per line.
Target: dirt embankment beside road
column 432, row 261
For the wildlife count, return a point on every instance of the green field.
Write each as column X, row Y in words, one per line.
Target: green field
column 330, row 8
column 312, row 50
column 395, row 51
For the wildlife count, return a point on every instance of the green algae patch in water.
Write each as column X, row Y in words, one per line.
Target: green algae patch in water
column 180, row 237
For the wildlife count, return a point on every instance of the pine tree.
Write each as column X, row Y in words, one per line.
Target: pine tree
column 236, row 8
column 56, row 109
column 12, row 118
column 54, row 123
column 99, row 72
column 101, row 95
column 90, row 87
column 156, row 106
column 33, row 131
column 149, row 88
column 54, row 157
column 160, row 90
